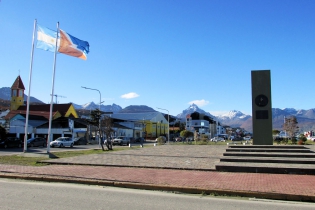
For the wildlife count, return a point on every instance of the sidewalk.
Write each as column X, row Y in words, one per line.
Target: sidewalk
column 187, row 169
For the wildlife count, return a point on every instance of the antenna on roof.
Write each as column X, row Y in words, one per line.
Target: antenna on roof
column 59, row 97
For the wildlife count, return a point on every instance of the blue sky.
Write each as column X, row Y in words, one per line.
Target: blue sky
column 165, row 53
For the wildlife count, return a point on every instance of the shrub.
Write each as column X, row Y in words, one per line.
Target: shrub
column 300, row 142
column 293, row 140
column 302, row 138
column 284, row 140
column 161, row 140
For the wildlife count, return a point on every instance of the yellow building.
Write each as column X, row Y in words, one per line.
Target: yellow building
column 149, row 125
column 17, row 94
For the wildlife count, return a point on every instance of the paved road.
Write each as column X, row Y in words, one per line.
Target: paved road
column 39, row 195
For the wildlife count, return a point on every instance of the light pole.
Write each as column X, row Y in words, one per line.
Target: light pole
column 99, row 121
column 168, row 127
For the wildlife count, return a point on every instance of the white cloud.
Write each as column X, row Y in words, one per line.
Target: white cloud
column 200, row 103
column 130, row 95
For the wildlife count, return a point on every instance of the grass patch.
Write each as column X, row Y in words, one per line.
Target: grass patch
column 309, row 142
column 21, row 160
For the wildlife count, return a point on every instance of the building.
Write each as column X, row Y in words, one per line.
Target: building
column 39, row 115
column 149, row 125
column 203, row 124
column 65, row 120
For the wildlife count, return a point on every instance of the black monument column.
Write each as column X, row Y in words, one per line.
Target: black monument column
column 261, row 108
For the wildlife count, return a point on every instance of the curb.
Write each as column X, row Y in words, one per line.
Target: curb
column 190, row 190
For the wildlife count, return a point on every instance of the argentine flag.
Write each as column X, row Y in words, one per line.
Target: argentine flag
column 46, row 39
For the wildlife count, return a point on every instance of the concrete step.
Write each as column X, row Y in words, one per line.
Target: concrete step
column 290, row 160
column 270, row 154
column 279, row 168
column 286, row 150
column 270, row 146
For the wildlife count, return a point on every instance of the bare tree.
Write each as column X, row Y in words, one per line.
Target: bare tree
column 106, row 127
column 290, row 126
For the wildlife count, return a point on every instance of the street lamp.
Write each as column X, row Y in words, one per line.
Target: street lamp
column 99, row 121
column 168, row 119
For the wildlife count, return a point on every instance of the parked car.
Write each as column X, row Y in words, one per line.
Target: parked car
column 36, row 142
column 216, row 139
column 311, row 138
column 62, row 142
column 237, row 138
column 80, row 141
column 11, row 142
column 121, row 140
column 247, row 138
column 178, row 139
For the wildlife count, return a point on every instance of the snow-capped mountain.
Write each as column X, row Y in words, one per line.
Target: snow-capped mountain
column 233, row 118
column 234, row 114
column 191, row 109
column 105, row 108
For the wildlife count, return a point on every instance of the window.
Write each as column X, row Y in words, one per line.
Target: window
column 20, row 93
column 14, row 92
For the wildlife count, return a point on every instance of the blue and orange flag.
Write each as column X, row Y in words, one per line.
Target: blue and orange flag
column 66, row 43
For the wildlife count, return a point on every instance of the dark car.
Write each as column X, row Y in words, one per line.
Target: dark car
column 140, row 139
column 80, row 141
column 36, row 142
column 11, row 142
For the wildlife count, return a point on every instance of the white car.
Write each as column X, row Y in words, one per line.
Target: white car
column 121, row 140
column 62, row 142
column 247, row 138
column 216, row 139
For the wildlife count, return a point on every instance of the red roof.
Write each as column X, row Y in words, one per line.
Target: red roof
column 18, row 84
column 62, row 108
column 13, row 113
column 40, row 110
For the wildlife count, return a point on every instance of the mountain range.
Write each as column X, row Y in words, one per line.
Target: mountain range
column 233, row 118
column 5, row 94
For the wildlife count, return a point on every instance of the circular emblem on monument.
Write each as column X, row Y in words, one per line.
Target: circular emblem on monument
column 261, row 100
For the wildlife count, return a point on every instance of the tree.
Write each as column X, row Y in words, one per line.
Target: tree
column 275, row 132
column 290, row 126
column 95, row 120
column 186, row 134
column 106, row 127
column 181, row 126
column 302, row 139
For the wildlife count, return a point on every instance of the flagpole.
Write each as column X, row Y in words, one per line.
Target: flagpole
column 52, row 93
column 29, row 90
